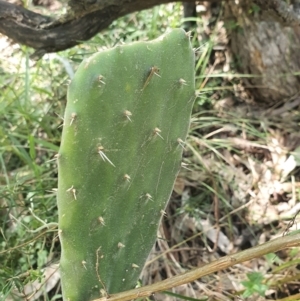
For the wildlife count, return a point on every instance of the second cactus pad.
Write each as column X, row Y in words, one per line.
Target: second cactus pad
column 126, row 120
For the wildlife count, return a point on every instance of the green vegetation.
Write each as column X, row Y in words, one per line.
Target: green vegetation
column 233, row 158
column 254, row 285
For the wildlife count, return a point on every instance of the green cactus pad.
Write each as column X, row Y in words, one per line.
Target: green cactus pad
column 125, row 124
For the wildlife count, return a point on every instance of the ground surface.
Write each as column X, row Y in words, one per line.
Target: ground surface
column 239, row 187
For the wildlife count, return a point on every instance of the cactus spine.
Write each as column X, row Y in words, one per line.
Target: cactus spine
column 125, row 124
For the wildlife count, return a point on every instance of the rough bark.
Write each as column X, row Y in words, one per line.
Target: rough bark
column 266, row 50
column 280, row 10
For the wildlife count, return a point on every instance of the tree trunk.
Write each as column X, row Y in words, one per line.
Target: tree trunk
column 266, row 50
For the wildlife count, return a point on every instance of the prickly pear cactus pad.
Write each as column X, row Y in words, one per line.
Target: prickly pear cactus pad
column 125, row 124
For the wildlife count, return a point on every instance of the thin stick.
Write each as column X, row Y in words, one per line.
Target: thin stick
column 217, row 265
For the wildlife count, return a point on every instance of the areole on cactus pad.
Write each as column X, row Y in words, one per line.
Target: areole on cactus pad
column 126, row 120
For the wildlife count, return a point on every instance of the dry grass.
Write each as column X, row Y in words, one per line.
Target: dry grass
column 239, row 187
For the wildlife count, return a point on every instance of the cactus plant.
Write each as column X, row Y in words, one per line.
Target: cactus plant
column 125, row 124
